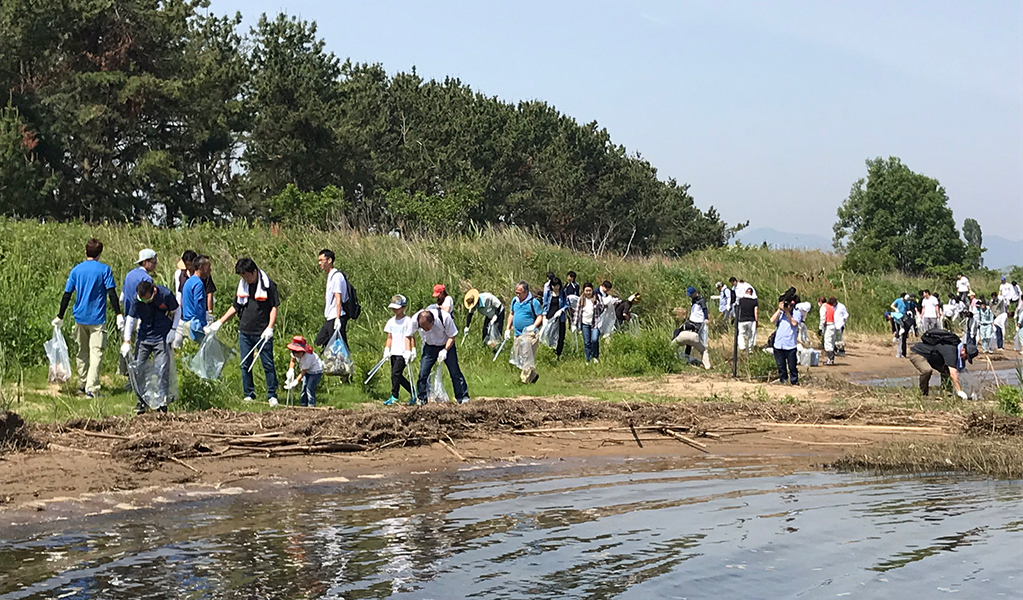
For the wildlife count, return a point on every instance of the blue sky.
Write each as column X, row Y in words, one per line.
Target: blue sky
column 767, row 110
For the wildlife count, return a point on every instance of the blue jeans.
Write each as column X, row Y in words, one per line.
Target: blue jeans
column 309, row 383
column 786, row 362
column 430, row 353
column 246, row 342
column 591, row 342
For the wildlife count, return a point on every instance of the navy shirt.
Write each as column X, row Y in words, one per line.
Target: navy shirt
column 155, row 317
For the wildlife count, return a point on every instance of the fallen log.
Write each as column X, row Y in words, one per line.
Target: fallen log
column 598, row 428
column 922, row 430
column 687, row 440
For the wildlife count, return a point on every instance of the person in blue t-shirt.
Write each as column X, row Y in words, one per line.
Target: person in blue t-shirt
column 156, row 310
column 143, row 272
column 525, row 317
column 92, row 283
column 193, row 298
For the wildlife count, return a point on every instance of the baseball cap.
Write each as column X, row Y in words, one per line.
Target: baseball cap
column 690, row 290
column 439, row 289
column 147, row 254
column 398, row 301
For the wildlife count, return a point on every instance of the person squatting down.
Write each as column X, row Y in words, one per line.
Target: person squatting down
column 310, row 370
column 688, row 336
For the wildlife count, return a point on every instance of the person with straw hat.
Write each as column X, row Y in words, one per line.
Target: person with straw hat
column 310, row 370
column 488, row 306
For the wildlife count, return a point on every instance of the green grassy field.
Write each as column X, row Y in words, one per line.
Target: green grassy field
column 35, row 259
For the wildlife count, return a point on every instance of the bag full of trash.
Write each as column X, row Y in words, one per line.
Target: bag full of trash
column 337, row 359
column 60, row 362
column 208, row 362
column 436, row 392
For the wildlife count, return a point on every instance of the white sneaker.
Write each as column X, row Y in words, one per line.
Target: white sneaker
column 247, row 399
column 273, row 401
column 596, row 360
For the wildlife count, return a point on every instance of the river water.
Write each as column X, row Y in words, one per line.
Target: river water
column 653, row 528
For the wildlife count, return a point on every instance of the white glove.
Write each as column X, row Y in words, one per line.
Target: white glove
column 962, row 395
column 387, row 352
column 507, row 334
column 57, row 322
column 408, row 355
column 170, row 336
column 120, row 322
column 210, row 317
column 442, row 355
column 267, row 334
column 125, row 349
column 529, row 329
column 212, row 328
column 337, row 324
column 290, row 384
column 291, row 374
column 465, row 331
column 573, row 327
column 493, row 320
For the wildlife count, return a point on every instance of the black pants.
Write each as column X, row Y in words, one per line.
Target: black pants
column 561, row 338
column 787, row 367
column 486, row 323
column 398, row 379
column 327, row 332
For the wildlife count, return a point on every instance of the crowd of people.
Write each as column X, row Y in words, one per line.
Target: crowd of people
column 155, row 321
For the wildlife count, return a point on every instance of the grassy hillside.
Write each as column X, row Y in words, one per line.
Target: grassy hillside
column 35, row 259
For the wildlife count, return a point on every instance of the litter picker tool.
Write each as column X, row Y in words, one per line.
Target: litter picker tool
column 256, row 350
column 374, row 370
column 499, row 348
column 412, row 382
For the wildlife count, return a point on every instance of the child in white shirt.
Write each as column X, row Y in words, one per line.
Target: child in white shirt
column 310, row 369
column 400, row 348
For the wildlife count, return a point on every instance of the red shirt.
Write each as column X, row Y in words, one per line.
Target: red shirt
column 829, row 313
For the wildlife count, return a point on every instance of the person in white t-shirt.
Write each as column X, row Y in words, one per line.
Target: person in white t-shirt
column 930, row 312
column 334, row 318
column 400, row 348
column 963, row 288
column 310, row 370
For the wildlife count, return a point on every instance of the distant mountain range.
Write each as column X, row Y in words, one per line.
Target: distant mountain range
column 1001, row 253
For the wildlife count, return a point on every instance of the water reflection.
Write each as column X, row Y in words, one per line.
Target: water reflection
column 627, row 530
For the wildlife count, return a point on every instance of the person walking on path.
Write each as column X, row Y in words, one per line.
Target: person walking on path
column 841, row 318
column 963, row 288
column 942, row 351
column 827, row 314
column 748, row 313
column 310, row 370
column 787, row 319
column 571, row 286
column 555, row 299
column 489, row 307
column 193, row 299
column 930, row 312
column 255, row 303
column 587, row 318
column 400, row 348
column 524, row 319
column 444, row 301
column 155, row 309
column 92, row 284
column 438, row 331
column 334, row 318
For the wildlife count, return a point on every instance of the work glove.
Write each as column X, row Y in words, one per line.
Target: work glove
column 57, row 322
column 493, row 319
column 267, row 334
column 125, row 349
column 120, row 322
column 408, row 355
column 212, row 328
column 170, row 336
column 387, row 352
column 573, row 328
column 291, row 383
column 337, row 324
column 210, row 317
column 465, row 331
column 291, row 374
column 507, row 334
column 962, row 395
column 529, row 329
column 442, row 355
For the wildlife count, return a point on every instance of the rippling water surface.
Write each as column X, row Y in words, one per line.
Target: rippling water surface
column 643, row 529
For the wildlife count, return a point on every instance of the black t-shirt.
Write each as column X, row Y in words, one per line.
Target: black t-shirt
column 747, row 309
column 571, row 289
column 254, row 315
column 555, row 305
column 938, row 356
column 622, row 309
column 208, row 284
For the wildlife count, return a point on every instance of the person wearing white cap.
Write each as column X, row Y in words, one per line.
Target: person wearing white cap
column 143, row 272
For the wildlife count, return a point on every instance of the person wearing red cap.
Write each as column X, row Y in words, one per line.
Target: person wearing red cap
column 445, row 302
column 310, row 370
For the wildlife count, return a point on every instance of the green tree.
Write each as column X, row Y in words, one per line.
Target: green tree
column 974, row 243
column 24, row 181
column 897, row 219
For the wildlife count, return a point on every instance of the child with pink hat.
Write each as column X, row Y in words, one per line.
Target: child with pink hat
column 310, row 369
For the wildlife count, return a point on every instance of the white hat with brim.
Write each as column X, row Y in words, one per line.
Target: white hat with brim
column 147, row 254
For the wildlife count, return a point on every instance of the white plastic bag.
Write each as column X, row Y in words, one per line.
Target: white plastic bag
column 549, row 333
column 436, row 393
column 606, row 324
column 522, row 354
column 494, row 336
column 337, row 360
column 60, row 363
column 208, row 362
column 145, row 379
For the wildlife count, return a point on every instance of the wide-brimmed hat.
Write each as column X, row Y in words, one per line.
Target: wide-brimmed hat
column 298, row 344
column 439, row 289
column 181, row 266
column 147, row 254
column 472, row 298
column 398, row 301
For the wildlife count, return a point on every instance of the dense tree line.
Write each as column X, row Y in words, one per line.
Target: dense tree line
column 134, row 110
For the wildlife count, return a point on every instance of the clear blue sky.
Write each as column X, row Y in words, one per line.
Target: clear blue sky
column 767, row 110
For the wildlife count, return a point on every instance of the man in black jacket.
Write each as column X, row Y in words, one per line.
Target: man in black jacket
column 942, row 351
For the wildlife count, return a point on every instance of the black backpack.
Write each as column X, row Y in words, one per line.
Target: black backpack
column 940, row 337
column 351, row 306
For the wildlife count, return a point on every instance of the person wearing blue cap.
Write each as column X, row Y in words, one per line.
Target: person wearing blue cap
column 698, row 317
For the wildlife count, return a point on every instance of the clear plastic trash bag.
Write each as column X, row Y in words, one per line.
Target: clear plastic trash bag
column 155, row 380
column 436, row 393
column 494, row 336
column 60, row 362
column 337, row 359
column 606, row 324
column 522, row 354
column 208, row 362
column 549, row 333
